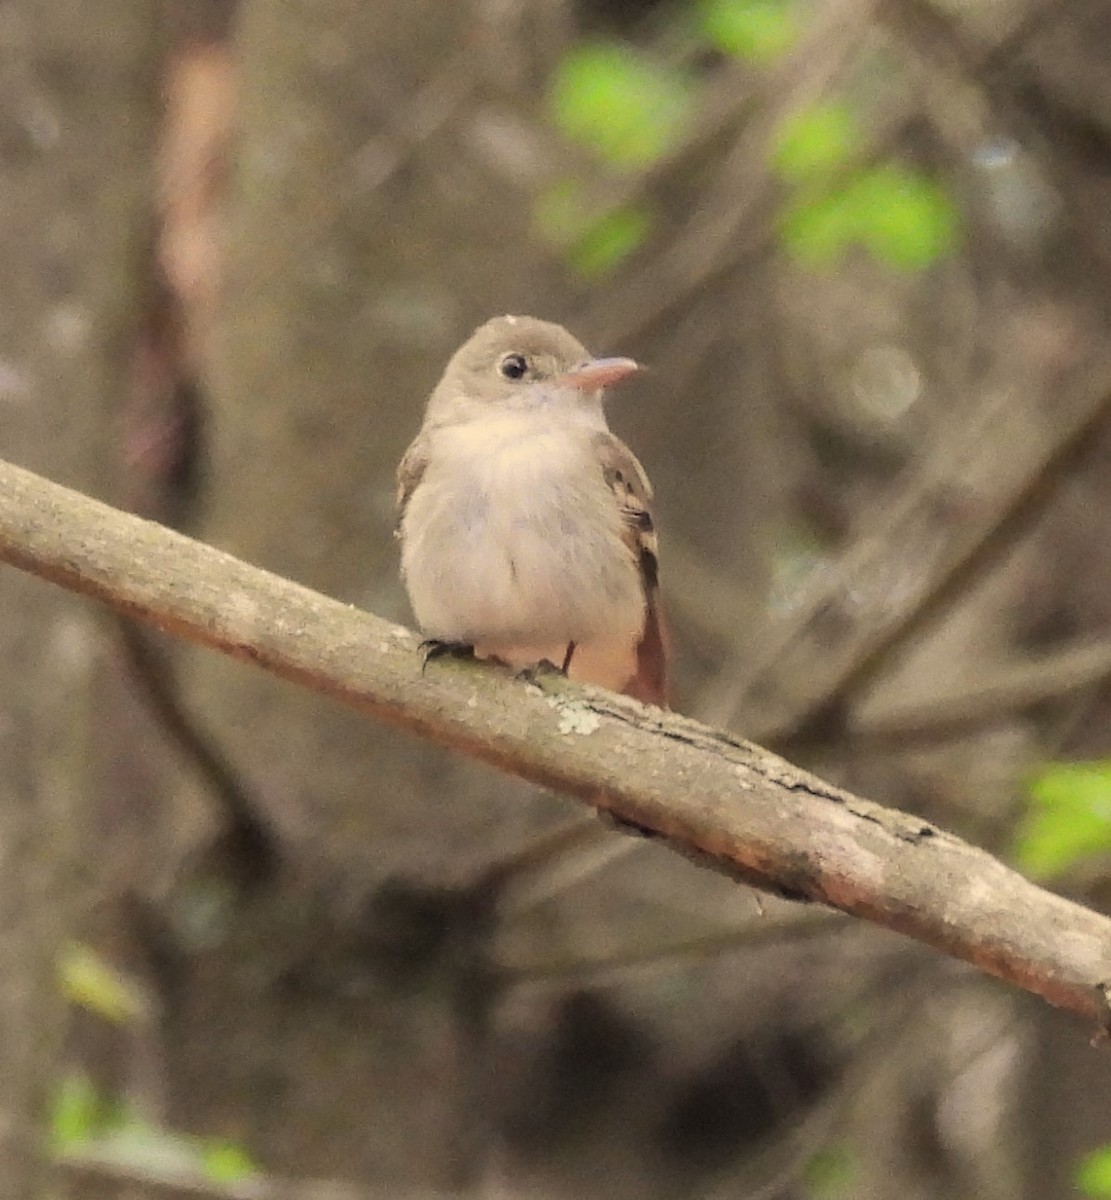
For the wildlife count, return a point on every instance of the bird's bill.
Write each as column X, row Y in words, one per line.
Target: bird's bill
column 598, row 373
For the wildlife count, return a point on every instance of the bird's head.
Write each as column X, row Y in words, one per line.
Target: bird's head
column 522, row 364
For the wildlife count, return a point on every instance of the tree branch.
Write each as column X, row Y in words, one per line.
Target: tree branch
column 714, row 798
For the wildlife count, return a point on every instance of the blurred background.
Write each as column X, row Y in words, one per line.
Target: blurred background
column 864, row 249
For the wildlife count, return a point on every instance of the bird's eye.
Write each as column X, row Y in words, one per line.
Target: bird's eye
column 513, row 366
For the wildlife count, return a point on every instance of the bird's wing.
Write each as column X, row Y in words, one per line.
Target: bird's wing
column 410, row 471
column 633, row 493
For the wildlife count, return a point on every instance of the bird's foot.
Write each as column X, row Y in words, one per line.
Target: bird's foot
column 546, row 667
column 531, row 674
column 438, row 648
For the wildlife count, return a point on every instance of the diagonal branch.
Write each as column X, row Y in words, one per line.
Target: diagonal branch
column 717, row 799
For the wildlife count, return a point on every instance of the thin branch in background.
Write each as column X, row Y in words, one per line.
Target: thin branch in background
column 551, row 863
column 704, row 598
column 986, row 701
column 432, row 108
column 765, row 1175
column 790, row 925
column 250, row 845
column 960, row 507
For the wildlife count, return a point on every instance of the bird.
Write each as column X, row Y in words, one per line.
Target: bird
column 526, row 526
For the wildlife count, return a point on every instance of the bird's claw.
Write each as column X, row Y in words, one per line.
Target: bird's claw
column 437, row 648
column 544, row 667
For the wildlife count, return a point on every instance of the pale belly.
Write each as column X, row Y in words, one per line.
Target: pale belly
column 519, row 552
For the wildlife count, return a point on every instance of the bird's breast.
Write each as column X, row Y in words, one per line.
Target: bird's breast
column 512, row 534
column 506, row 474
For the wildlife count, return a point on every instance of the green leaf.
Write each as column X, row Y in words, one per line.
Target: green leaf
column 609, row 241
column 818, row 230
column 757, row 30
column 93, row 983
column 902, row 218
column 906, row 220
column 619, row 103
column 594, row 245
column 226, row 1162
column 561, row 214
column 1068, row 819
column 830, row 1173
column 1093, row 1175
column 812, row 142
column 77, row 1113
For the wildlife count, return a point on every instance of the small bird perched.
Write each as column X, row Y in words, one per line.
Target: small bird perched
column 526, row 527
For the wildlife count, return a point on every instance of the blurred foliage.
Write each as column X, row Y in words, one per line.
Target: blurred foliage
column 902, row 218
column 622, row 104
column 84, row 1121
column 79, row 1113
column 1067, row 820
column 905, row 219
column 814, row 141
column 1093, row 1175
column 592, row 244
column 630, row 110
column 224, row 1161
column 830, row 1173
column 89, row 981
column 759, row 31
